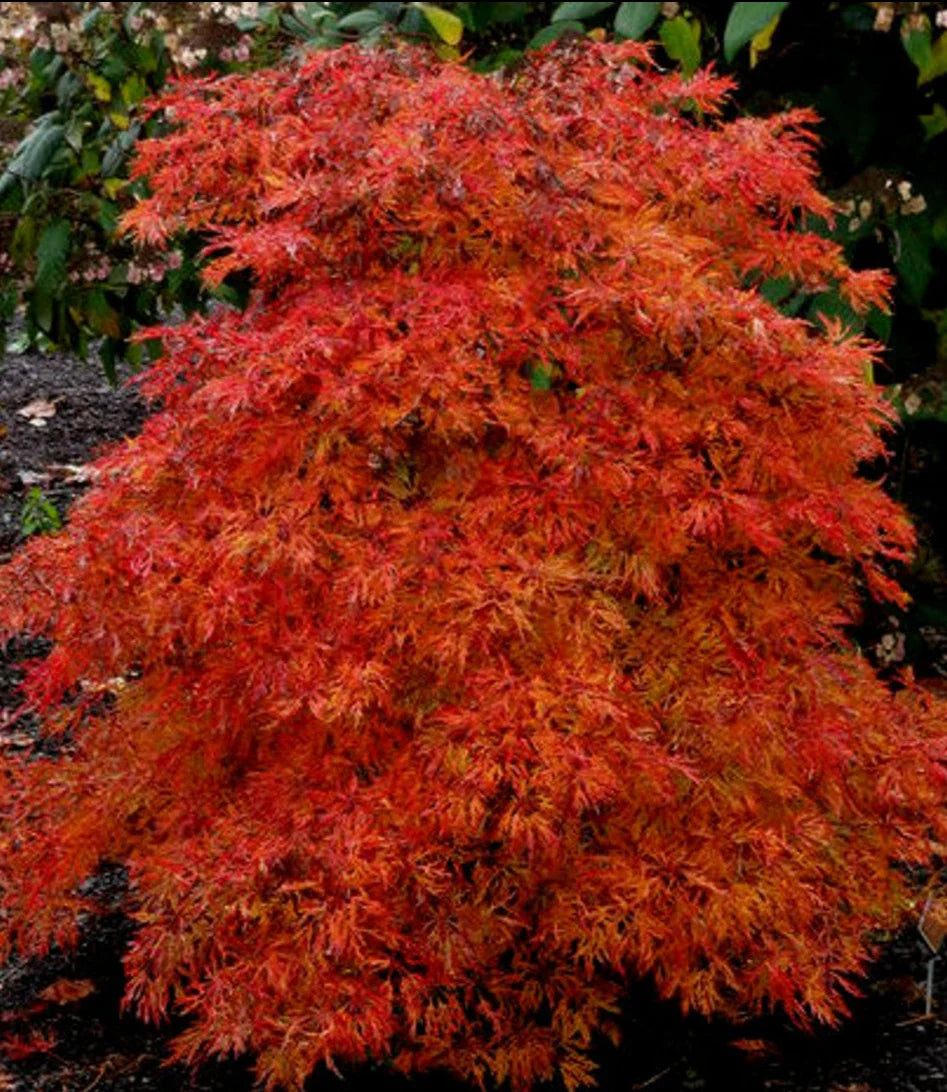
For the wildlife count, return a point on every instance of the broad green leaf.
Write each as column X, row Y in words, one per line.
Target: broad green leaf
column 480, row 16
column 744, row 22
column 134, row 90
column 917, row 44
column 632, row 20
column 117, row 151
column 33, row 154
column 830, row 305
column 41, row 309
column 90, row 161
column 51, row 253
column 68, row 87
column 116, row 67
column 74, row 132
column 361, row 21
column 577, row 11
column 107, row 215
column 109, row 352
column 936, row 63
column 551, row 33
column 680, row 41
column 447, row 26
column 146, row 59
column 776, row 289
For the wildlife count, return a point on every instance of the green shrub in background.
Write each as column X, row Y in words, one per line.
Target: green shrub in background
column 74, row 77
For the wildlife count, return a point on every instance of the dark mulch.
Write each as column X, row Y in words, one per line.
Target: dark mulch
column 90, row 1045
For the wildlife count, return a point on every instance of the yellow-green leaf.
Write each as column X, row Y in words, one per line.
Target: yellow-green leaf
column 445, row 52
column 101, row 87
column 114, row 186
column 118, row 119
column 446, row 25
column 936, row 63
column 762, row 40
column 935, row 122
column 681, row 41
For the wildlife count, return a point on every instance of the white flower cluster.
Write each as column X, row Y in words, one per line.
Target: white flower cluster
column 194, row 34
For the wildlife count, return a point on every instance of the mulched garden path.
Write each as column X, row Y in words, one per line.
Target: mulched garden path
column 61, row 1028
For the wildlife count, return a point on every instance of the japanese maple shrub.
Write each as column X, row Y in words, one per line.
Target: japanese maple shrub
column 473, row 608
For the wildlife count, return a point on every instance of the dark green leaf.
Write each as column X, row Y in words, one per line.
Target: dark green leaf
column 540, row 378
column 109, row 353
column 51, row 253
column 101, row 316
column 776, row 289
column 32, row 156
column 879, row 323
column 73, row 133
column 107, row 216
column 551, row 33
column 361, row 21
column 134, row 90
column 746, row 20
column 117, row 151
column 8, row 301
column 914, row 256
column 632, row 20
column 68, row 86
column 568, row 12
column 41, row 309
column 483, row 16
column 830, row 305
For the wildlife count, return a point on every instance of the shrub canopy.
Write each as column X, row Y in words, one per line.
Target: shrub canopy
column 471, row 614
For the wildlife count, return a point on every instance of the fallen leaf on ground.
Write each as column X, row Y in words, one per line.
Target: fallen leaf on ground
column 29, row 478
column 38, row 410
column 66, row 990
column 71, row 472
column 17, row 1047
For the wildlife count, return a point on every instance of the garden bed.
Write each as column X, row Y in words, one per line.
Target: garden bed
column 60, row 1022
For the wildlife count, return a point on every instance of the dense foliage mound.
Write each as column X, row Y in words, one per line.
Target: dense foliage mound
column 466, row 631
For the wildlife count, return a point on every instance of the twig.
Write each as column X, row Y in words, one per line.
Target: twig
column 652, row 1080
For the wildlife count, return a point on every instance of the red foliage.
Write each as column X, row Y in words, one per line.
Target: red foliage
column 479, row 593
